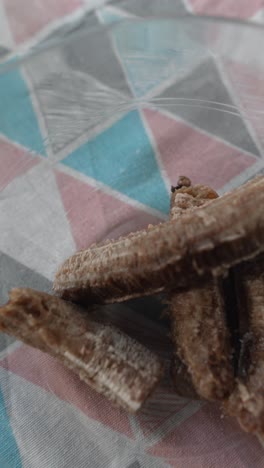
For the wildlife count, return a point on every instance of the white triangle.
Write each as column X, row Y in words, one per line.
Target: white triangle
column 34, row 226
column 5, row 35
column 49, row 430
column 259, row 16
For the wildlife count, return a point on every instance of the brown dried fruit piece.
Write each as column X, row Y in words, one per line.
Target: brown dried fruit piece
column 181, row 378
column 201, row 336
column 109, row 361
column 246, row 403
column 198, row 323
column 178, row 253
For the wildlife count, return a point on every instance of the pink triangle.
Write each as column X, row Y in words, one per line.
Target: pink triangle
column 208, row 439
column 187, row 151
column 27, row 21
column 14, row 162
column 95, row 215
column 44, row 371
column 228, row 8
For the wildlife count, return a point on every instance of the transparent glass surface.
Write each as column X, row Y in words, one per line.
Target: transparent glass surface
column 97, row 121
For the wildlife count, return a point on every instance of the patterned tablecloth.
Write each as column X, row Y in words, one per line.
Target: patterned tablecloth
column 63, row 186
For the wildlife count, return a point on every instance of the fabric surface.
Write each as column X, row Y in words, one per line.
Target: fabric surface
column 80, row 161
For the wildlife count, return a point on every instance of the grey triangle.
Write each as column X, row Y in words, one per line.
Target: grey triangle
column 14, row 274
column 97, row 58
column 65, row 80
column 152, row 8
column 203, row 85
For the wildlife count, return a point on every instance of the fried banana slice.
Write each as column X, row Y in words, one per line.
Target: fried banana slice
column 246, row 403
column 198, row 323
column 175, row 254
column 106, row 359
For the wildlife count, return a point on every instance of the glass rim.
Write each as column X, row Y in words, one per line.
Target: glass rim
column 20, row 56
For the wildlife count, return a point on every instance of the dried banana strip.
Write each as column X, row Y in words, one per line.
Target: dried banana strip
column 106, row 359
column 178, row 253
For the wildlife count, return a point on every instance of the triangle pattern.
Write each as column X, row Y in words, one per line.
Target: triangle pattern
column 47, row 373
column 185, row 150
column 149, row 56
column 13, row 274
column 36, row 414
column 249, row 87
column 203, row 100
column 9, row 453
column 19, row 122
column 14, row 162
column 94, row 215
column 78, row 88
column 203, row 434
column 69, row 108
column 42, row 12
column 122, row 158
column 43, row 239
column 99, row 60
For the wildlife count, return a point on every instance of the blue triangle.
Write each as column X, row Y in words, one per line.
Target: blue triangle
column 18, row 121
column 153, row 52
column 122, row 157
column 9, row 454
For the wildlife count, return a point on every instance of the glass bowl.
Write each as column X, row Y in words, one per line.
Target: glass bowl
column 97, row 121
